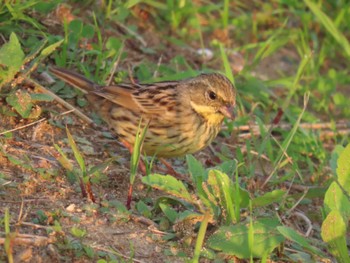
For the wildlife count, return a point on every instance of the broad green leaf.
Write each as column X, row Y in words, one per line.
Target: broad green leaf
column 11, row 59
column 227, row 167
column 294, row 236
column 335, row 199
column 199, row 177
column 196, row 169
column 234, row 240
column 143, row 209
column 168, row 184
column 272, row 197
column 21, row 101
column 343, row 170
column 88, row 31
column 222, row 187
column 169, row 212
column 335, row 156
column 333, row 232
column 77, row 232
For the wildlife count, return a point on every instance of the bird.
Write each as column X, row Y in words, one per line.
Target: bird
column 182, row 117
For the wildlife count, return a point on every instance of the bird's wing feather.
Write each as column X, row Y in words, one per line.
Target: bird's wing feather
column 156, row 99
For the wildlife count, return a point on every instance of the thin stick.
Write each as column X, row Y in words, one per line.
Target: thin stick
column 307, row 221
column 33, row 123
column 24, row 126
column 286, row 126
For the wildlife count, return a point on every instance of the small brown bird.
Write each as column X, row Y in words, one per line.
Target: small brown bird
column 183, row 116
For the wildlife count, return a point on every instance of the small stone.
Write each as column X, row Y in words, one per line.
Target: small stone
column 70, row 208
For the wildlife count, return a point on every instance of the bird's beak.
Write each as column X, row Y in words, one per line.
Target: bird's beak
column 227, row 111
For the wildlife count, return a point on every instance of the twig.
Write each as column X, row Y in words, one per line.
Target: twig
column 61, row 101
column 307, row 221
column 33, row 123
column 340, row 128
column 36, row 226
column 24, row 126
column 143, row 220
column 155, row 74
column 298, row 202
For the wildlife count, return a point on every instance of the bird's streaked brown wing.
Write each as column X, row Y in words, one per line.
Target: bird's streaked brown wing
column 154, row 99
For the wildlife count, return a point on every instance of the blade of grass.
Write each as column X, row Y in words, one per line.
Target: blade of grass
column 287, row 141
column 76, row 152
column 224, row 14
column 135, row 158
column 8, row 243
column 330, row 26
column 136, row 154
column 227, row 66
column 306, row 59
column 200, row 237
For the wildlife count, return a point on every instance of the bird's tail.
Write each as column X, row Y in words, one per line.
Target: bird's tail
column 74, row 79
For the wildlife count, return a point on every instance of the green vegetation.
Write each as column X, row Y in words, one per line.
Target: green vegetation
column 276, row 183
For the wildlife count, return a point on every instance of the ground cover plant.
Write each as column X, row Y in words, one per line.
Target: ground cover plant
column 272, row 187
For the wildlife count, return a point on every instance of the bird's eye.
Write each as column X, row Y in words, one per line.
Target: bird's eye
column 212, row 95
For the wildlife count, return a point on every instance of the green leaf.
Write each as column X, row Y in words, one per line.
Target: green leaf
column 143, row 209
column 76, row 152
column 227, row 167
column 335, row 199
column 11, row 59
column 48, row 50
column 272, row 197
column 41, row 97
column 88, row 31
column 77, row 232
column 76, row 26
column 343, row 169
column 223, row 188
column 169, row 185
column 294, row 236
column 89, row 251
column 136, row 153
column 169, row 212
column 227, row 66
column 333, row 232
column 196, row 169
column 21, row 101
column 234, row 240
column 335, row 156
